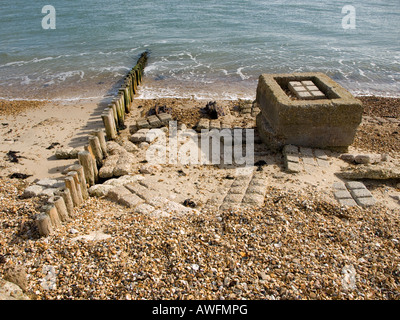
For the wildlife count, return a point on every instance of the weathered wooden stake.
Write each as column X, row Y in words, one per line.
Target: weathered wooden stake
column 114, row 123
column 43, row 224
column 94, row 164
column 134, row 83
column 128, row 82
column 77, row 182
column 66, row 195
column 85, row 160
column 70, row 184
column 82, row 180
column 51, row 211
column 121, row 109
column 113, row 106
column 128, row 100
column 100, row 135
column 109, row 125
column 61, row 208
column 96, row 148
column 138, row 78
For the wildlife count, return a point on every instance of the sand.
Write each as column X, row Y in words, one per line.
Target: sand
column 36, row 130
column 32, row 131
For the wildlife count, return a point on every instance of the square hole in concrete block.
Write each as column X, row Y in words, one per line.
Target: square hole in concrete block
column 312, row 85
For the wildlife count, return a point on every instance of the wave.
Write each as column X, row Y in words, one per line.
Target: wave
column 34, row 60
column 72, row 99
column 242, row 76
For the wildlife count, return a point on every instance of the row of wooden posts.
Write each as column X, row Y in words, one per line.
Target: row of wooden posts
column 60, row 207
column 114, row 115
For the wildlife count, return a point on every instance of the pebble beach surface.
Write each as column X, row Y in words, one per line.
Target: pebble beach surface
column 296, row 245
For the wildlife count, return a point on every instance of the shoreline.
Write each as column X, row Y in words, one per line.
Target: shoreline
column 77, row 99
column 153, row 88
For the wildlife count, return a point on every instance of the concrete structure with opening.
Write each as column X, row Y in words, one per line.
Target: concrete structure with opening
column 306, row 109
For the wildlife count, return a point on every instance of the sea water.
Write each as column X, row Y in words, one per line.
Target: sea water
column 198, row 48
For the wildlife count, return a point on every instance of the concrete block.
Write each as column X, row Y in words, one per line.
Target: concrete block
column 329, row 123
column 116, row 193
column 50, row 183
column 311, row 88
column 306, row 152
column 124, row 165
column 139, row 136
column 237, row 190
column 229, row 206
column 253, row 199
column 143, row 124
column 307, row 83
column 49, row 192
column 133, row 128
column 165, row 118
column 294, row 167
column 242, row 183
column 99, row 190
column 158, row 202
column 347, row 202
column 317, row 94
column 203, row 124
column 342, row 194
column 322, row 163
column 157, row 214
column 175, row 208
column 258, row 182
column 355, row 185
column 310, row 169
column 252, row 189
column 361, row 193
column 366, row 202
column 320, row 154
column 144, row 208
column 367, row 158
column 32, row 191
column 290, row 149
column 339, row 186
column 309, row 161
column 143, row 192
column 233, row 198
column 225, row 124
column 292, row 158
column 130, row 200
column 154, row 121
column 347, row 157
column 295, row 84
column 215, row 124
column 303, row 94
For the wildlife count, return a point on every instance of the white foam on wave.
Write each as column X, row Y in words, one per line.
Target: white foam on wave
column 26, row 80
column 150, row 92
column 34, row 60
column 72, row 99
column 62, row 76
column 242, row 76
column 110, row 69
column 370, row 93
